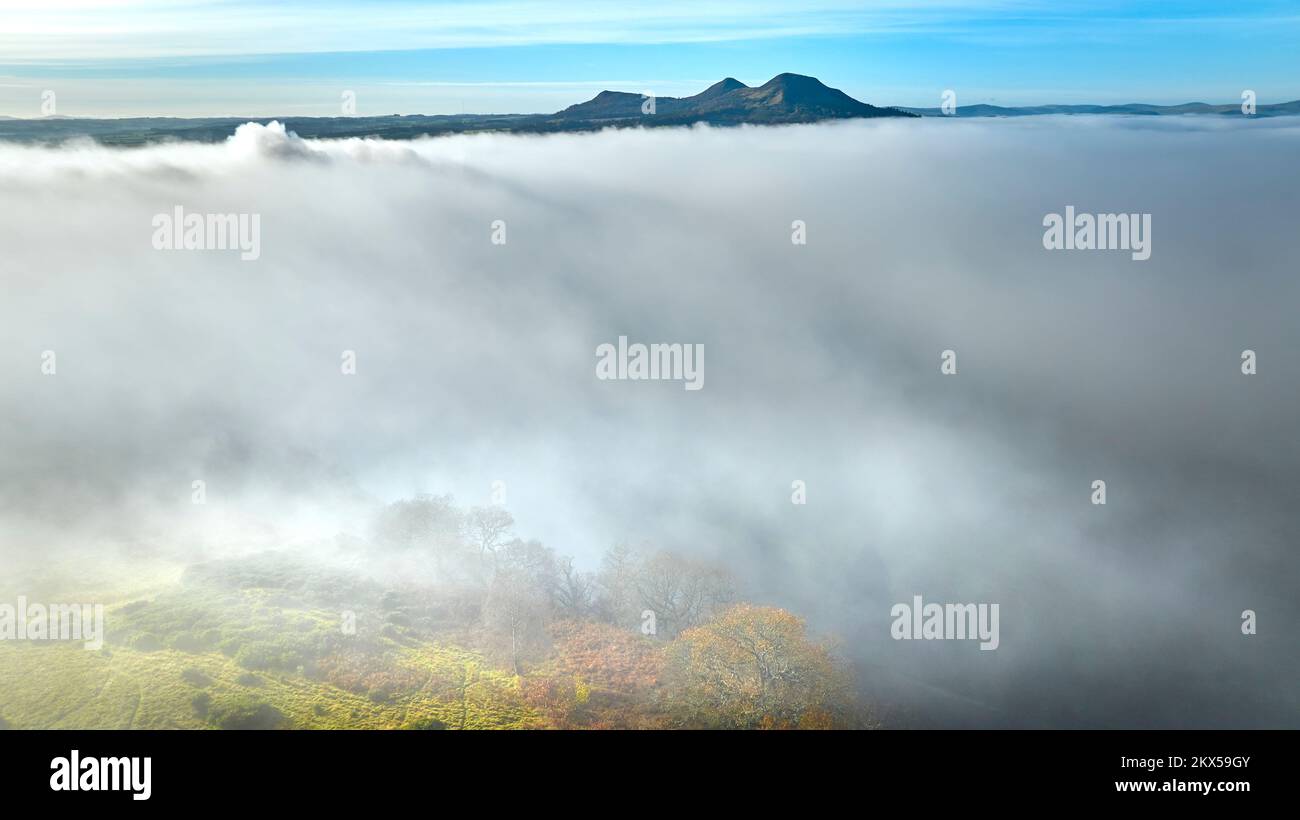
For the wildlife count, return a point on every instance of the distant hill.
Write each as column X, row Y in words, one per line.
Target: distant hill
column 786, row 98
column 1140, row 109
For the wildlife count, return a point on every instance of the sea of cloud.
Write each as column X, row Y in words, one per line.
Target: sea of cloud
column 475, row 363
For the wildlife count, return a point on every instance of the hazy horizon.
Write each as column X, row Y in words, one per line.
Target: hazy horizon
column 627, row 88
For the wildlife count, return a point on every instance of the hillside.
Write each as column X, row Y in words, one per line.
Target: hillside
column 433, row 633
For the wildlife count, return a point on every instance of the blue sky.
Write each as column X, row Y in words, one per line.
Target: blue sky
column 293, row 57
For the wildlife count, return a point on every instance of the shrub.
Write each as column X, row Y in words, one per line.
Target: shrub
column 187, row 642
column 201, row 702
column 426, row 724
column 197, row 677
column 246, row 715
column 146, row 642
column 257, row 655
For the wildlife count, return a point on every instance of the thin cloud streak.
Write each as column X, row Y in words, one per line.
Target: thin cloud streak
column 108, row 31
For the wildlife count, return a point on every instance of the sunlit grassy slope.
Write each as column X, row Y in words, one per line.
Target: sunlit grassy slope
column 62, row 685
column 255, row 645
column 260, row 643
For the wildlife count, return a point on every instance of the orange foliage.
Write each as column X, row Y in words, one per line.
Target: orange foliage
column 754, row 666
column 607, row 657
column 599, row 676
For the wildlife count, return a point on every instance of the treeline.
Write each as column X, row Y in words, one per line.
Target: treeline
column 717, row 661
column 661, row 593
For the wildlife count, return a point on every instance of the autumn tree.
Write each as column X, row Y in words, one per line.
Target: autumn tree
column 756, row 667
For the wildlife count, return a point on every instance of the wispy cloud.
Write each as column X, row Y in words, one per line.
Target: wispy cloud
column 103, row 29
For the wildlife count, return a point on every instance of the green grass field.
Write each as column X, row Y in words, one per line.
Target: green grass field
column 62, row 685
column 260, row 651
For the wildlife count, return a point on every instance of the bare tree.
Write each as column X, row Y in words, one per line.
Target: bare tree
column 487, row 528
column 617, row 601
column 680, row 592
column 533, row 560
column 515, row 615
column 574, row 590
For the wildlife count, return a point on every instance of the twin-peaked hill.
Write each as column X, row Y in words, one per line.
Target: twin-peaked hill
column 786, row 98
